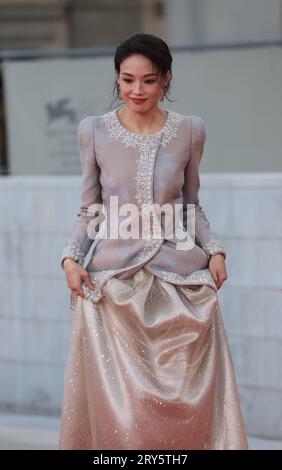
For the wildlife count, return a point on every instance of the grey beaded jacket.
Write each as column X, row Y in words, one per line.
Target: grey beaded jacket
column 153, row 169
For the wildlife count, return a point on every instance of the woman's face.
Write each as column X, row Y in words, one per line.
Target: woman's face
column 139, row 79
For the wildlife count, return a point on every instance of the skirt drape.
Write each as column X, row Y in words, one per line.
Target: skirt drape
column 149, row 367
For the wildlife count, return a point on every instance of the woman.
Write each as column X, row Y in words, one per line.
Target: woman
column 149, row 364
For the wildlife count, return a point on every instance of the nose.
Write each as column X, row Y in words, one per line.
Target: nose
column 138, row 88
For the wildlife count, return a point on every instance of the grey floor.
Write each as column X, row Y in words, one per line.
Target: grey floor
column 25, row 432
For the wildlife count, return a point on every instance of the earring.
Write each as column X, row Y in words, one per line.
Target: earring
column 163, row 94
column 118, row 92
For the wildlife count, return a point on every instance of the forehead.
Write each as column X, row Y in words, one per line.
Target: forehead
column 138, row 65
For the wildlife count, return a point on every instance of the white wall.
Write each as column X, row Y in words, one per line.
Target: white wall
column 237, row 92
column 36, row 216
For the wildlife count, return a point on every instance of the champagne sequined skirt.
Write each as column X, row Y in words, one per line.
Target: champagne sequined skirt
column 149, row 367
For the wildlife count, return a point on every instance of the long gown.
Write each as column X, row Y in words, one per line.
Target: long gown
column 149, row 364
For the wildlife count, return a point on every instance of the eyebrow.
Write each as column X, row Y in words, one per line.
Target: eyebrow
column 146, row 75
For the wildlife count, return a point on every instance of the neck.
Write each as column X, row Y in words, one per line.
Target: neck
column 142, row 122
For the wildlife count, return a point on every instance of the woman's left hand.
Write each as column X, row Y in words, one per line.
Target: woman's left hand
column 217, row 268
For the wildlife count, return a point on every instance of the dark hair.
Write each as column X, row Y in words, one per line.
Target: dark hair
column 148, row 45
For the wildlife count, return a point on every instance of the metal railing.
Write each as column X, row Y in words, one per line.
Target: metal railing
column 78, row 52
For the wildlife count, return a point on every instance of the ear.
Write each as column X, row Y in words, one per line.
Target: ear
column 168, row 75
column 166, row 78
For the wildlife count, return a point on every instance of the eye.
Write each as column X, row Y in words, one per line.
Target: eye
column 127, row 80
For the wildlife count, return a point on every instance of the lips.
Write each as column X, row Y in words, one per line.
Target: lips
column 138, row 101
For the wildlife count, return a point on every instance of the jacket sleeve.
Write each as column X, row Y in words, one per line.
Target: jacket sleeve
column 81, row 237
column 204, row 236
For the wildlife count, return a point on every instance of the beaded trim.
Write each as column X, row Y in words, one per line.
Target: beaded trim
column 214, row 246
column 199, row 277
column 148, row 146
column 143, row 142
column 74, row 252
column 144, row 177
column 95, row 294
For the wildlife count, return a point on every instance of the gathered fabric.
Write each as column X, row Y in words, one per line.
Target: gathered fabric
column 149, row 367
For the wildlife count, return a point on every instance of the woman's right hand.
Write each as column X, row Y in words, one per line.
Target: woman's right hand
column 75, row 275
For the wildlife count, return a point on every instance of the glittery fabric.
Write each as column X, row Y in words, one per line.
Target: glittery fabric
column 149, row 367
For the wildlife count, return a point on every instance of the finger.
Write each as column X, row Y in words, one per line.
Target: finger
column 222, row 276
column 214, row 275
column 78, row 290
column 81, row 293
column 217, row 281
column 215, row 278
column 88, row 281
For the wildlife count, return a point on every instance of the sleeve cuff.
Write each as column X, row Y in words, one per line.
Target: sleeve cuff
column 213, row 247
column 73, row 252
